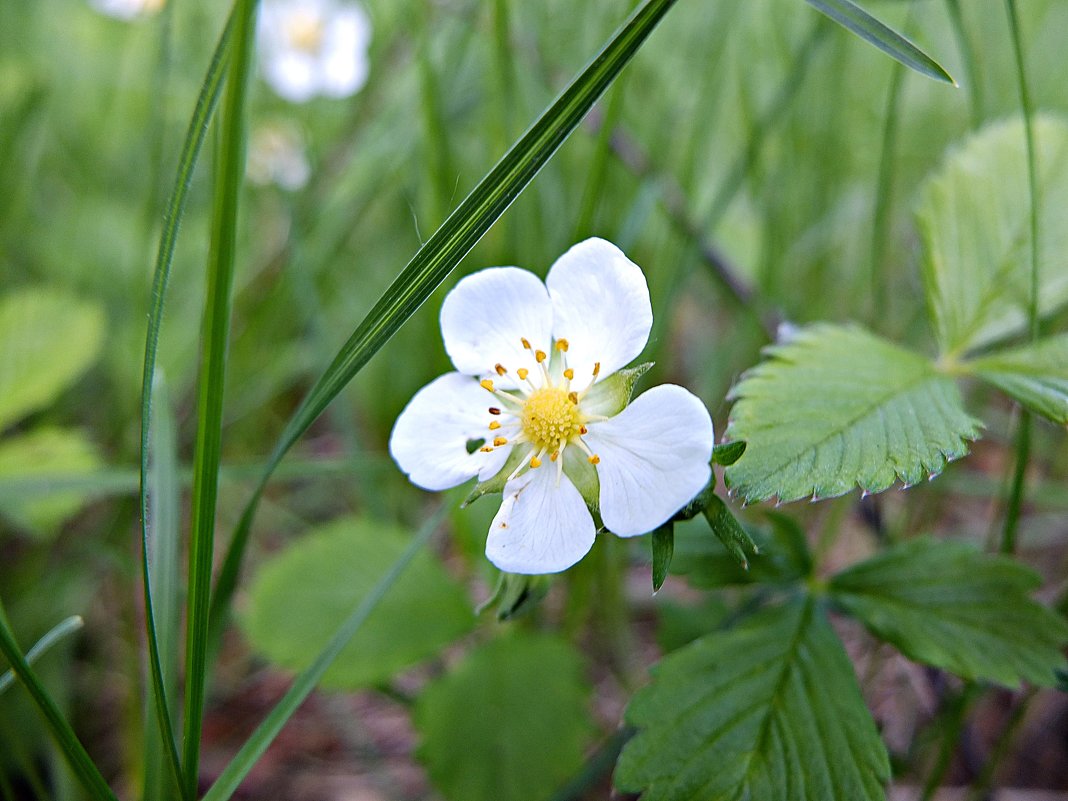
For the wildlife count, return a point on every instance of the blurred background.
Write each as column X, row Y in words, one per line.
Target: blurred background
column 758, row 162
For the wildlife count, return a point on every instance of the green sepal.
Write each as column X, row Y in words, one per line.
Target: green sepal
column 516, row 594
column 699, row 503
column 729, row 531
column 610, row 396
column 727, row 453
column 663, row 542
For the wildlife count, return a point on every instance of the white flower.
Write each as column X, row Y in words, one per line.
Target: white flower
column 536, row 404
column 276, row 156
column 314, row 47
column 127, row 9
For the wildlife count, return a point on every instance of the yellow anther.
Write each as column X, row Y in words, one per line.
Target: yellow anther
column 494, row 410
column 561, row 344
column 498, row 441
column 595, row 459
column 535, row 462
column 494, row 425
column 540, row 356
column 485, row 449
column 555, row 456
column 500, row 369
column 569, row 373
column 486, row 384
column 522, row 372
column 526, row 342
column 583, row 430
column 573, row 397
column 596, row 369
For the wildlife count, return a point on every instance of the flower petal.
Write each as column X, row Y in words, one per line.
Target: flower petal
column 600, row 306
column 486, row 316
column 542, row 526
column 430, row 438
column 654, row 458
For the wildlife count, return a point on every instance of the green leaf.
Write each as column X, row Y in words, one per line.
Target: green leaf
column 301, row 595
column 770, row 710
column 860, row 22
column 837, row 407
column 43, row 452
column 727, row 453
column 730, row 532
column 508, row 724
column 48, row 338
column 1035, row 374
column 974, row 217
column 663, row 544
column 444, row 250
column 951, row 606
column 56, row 634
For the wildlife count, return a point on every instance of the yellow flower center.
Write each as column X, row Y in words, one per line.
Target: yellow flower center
column 550, row 418
column 305, row 31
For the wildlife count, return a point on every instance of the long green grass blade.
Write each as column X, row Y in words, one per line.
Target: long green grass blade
column 55, row 634
column 194, row 141
column 253, row 749
column 80, row 762
column 864, row 25
column 443, row 251
column 211, row 383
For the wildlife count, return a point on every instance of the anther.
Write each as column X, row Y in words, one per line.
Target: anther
column 540, row 356
column 485, row 449
column 595, row 459
column 494, row 425
column 562, row 344
column 494, row 410
column 486, row 384
column 498, row 441
column 500, row 369
column 569, row 373
column 573, row 397
column 522, row 372
column 583, row 430
column 596, row 369
column 535, row 462
column 526, row 342
column 555, row 456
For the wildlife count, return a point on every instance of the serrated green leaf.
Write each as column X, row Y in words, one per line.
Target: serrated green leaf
column 1036, row 375
column 770, row 710
column 48, row 338
column 951, row 606
column 783, row 556
column 301, row 596
column 837, row 408
column 727, row 453
column 663, row 544
column 508, row 724
column 46, row 451
column 730, row 532
column 974, row 219
column 855, row 19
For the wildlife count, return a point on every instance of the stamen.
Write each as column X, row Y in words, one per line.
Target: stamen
column 522, row 372
column 494, row 410
column 540, row 356
column 498, row 441
column 583, row 430
column 562, row 344
column 569, row 373
column 535, row 462
column 494, row 425
column 485, row 449
column 596, row 369
column 486, row 384
column 500, row 369
column 595, row 459
column 555, row 456
column 573, row 397
column 526, row 342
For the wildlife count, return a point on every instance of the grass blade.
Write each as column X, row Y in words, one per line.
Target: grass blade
column 211, row 382
column 55, row 634
column 864, row 25
column 253, row 749
column 443, row 251
column 80, row 762
column 194, row 141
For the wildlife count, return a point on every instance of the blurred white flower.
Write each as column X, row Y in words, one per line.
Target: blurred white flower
column 533, row 406
column 127, row 9
column 314, row 47
column 276, row 156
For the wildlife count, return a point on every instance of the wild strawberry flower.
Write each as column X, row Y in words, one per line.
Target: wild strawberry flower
column 127, row 9
column 276, row 156
column 314, row 47
column 539, row 407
